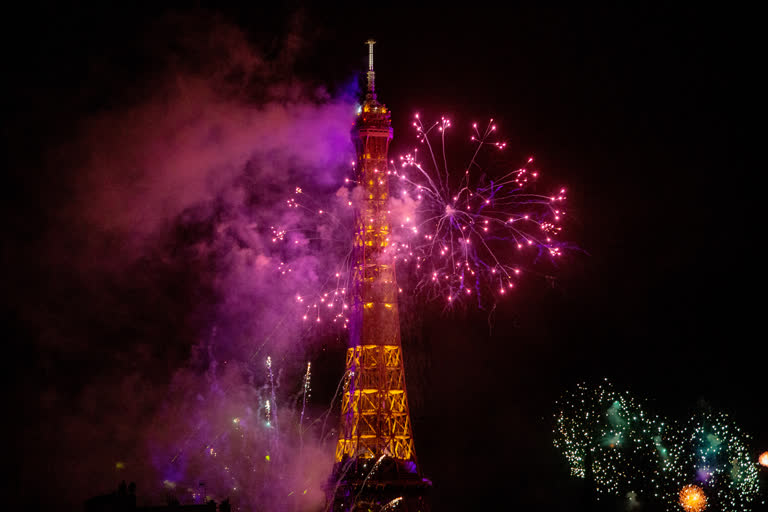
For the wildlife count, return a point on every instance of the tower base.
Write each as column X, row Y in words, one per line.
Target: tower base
column 377, row 485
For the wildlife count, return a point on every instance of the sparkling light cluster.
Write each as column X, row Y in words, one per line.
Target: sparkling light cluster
column 327, row 231
column 248, row 450
column 611, row 438
column 718, row 453
column 608, row 436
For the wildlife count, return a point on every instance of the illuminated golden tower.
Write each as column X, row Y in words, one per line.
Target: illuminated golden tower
column 375, row 459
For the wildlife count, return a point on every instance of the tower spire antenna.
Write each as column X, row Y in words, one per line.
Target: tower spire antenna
column 371, row 73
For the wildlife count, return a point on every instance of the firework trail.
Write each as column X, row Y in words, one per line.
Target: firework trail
column 270, row 415
column 305, row 394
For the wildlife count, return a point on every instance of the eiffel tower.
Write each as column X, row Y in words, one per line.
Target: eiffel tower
column 376, row 467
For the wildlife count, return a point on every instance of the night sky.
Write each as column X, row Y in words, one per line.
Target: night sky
column 115, row 274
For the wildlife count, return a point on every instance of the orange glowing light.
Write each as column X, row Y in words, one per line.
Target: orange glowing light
column 693, row 499
column 763, row 460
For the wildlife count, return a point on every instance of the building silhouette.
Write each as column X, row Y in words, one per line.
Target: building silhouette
column 124, row 500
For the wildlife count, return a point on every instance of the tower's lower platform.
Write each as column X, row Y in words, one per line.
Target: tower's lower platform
column 378, row 485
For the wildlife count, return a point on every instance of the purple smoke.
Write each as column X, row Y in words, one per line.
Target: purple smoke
column 159, row 295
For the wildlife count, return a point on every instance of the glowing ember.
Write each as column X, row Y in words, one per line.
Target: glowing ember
column 693, row 499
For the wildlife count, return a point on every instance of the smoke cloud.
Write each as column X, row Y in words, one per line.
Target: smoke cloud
column 150, row 315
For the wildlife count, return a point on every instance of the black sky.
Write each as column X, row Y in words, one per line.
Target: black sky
column 635, row 109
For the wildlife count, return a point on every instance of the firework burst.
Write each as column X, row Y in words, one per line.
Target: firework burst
column 611, row 438
column 459, row 232
column 469, row 230
column 693, row 499
column 717, row 456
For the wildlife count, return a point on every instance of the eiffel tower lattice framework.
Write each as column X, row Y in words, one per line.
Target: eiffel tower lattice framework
column 376, row 467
